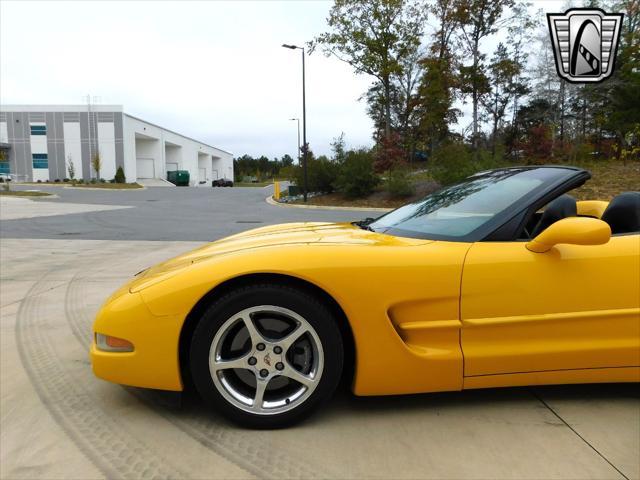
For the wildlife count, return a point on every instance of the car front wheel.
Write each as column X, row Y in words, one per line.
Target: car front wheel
column 267, row 355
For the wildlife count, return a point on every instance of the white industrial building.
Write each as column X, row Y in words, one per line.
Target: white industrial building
column 39, row 142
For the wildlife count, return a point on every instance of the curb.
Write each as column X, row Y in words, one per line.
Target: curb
column 271, row 201
column 35, row 197
column 107, row 189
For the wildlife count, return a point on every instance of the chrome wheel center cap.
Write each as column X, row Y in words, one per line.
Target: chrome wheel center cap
column 267, row 360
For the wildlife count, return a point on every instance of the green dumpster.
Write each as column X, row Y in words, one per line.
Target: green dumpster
column 179, row 178
column 294, row 190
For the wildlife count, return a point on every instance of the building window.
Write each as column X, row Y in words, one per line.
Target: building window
column 38, row 129
column 40, row 160
column 4, row 168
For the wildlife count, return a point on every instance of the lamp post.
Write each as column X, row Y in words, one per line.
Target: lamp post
column 304, row 121
column 297, row 120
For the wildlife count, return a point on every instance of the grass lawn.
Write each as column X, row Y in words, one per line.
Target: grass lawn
column 376, row 200
column 43, row 184
column 608, row 178
column 251, row 184
column 106, row 186
column 23, row 193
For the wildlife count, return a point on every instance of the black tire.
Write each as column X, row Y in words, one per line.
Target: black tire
column 300, row 302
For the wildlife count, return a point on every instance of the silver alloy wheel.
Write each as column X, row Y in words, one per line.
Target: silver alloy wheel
column 266, row 360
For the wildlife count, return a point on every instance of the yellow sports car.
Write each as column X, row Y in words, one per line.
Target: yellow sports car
column 499, row 280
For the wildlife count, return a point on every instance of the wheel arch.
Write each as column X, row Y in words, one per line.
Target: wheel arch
column 192, row 318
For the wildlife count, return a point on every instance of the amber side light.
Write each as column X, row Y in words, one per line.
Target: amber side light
column 113, row 344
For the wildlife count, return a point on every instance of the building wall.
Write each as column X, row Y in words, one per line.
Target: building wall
column 172, row 156
column 4, row 135
column 39, row 146
column 77, row 133
column 71, row 133
column 107, row 149
column 73, row 147
column 144, row 141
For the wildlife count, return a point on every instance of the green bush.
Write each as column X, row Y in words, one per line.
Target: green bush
column 357, row 177
column 453, row 162
column 399, row 183
column 287, row 173
column 321, row 175
column 120, row 178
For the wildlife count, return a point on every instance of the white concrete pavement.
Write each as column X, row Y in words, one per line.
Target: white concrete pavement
column 59, row 421
column 15, row 208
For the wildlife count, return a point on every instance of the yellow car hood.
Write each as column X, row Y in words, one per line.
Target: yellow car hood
column 271, row 236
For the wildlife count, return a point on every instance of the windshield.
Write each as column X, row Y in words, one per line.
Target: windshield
column 457, row 211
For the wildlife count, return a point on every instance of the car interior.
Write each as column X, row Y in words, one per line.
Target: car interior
column 622, row 214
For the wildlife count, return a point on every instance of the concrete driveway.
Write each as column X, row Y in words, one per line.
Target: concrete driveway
column 59, row 421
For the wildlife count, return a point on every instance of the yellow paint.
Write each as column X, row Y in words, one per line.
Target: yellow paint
column 587, row 375
column 572, row 307
column 276, row 190
column 591, row 208
column 574, row 230
column 569, row 308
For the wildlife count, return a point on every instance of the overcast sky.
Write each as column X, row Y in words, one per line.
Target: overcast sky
column 212, row 70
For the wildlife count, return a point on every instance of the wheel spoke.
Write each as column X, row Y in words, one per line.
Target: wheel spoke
column 227, row 364
column 254, row 334
column 261, row 387
column 290, row 339
column 294, row 374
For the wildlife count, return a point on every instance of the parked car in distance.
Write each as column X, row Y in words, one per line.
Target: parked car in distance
column 222, row 182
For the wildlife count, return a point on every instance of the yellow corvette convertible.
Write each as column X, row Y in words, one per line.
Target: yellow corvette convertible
column 500, row 280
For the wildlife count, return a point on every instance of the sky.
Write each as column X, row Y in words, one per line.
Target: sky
column 211, row 70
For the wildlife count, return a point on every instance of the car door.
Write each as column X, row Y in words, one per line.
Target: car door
column 573, row 307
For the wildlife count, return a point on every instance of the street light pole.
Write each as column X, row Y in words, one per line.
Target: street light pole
column 298, row 120
column 304, row 121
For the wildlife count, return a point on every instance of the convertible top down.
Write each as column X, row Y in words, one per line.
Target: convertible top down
column 503, row 279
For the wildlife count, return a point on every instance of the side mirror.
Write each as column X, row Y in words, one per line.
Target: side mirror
column 572, row 230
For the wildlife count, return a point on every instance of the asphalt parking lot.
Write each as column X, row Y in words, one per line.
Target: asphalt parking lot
column 161, row 214
column 59, row 421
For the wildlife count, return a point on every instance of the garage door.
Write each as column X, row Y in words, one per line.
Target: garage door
column 144, row 167
column 171, row 166
column 202, row 174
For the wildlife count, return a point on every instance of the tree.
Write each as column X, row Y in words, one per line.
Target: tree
column 374, row 37
column 436, row 91
column 520, row 35
column 503, row 72
column 96, row 163
column 120, row 178
column 286, row 161
column 389, row 153
column 71, row 168
column 622, row 111
column 338, row 148
column 538, row 146
column 321, row 173
column 356, row 177
column 478, row 19
column 436, row 97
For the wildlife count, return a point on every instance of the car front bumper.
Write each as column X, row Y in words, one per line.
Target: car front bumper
column 154, row 361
